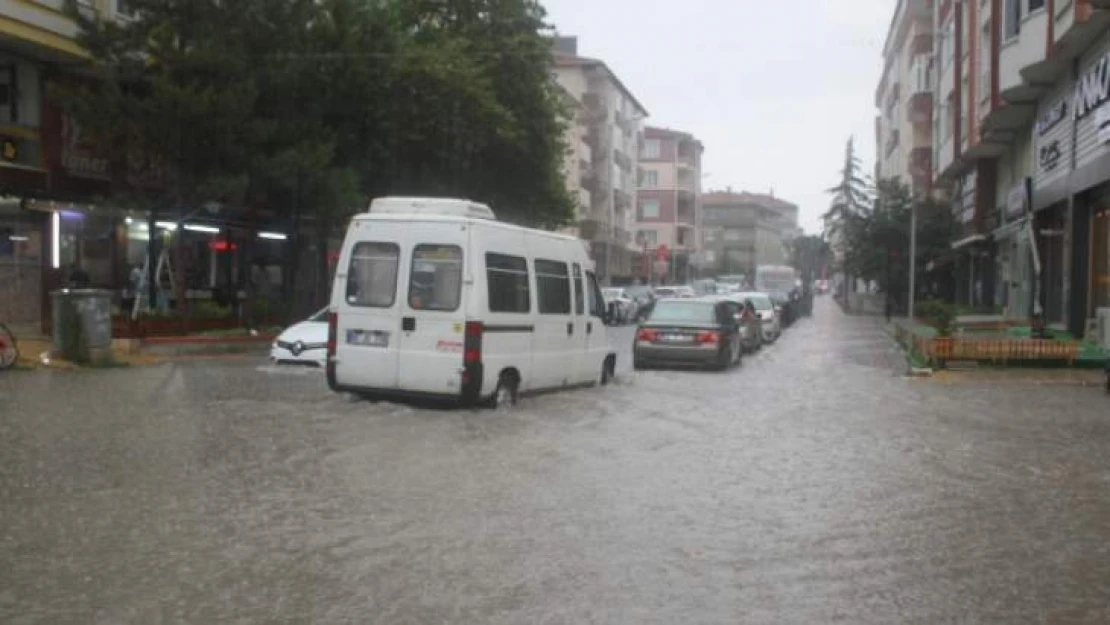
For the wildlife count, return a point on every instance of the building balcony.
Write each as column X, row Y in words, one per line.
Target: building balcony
column 685, row 219
column 1072, row 37
column 622, row 160
column 891, row 142
column 621, row 200
column 919, row 108
column 1019, row 52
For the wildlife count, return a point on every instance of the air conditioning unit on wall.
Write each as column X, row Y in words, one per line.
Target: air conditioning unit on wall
column 1102, row 335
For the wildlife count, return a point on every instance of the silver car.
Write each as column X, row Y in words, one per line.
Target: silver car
column 689, row 332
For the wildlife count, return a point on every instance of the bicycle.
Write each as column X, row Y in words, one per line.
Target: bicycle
column 9, row 348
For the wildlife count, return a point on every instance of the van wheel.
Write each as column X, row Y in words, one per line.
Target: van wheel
column 608, row 370
column 507, row 391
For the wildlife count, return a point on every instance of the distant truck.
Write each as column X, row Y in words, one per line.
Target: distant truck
column 776, row 278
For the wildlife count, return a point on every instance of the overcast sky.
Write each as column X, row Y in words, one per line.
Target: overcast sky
column 772, row 88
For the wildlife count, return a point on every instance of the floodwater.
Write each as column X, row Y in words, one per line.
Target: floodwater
column 814, row 484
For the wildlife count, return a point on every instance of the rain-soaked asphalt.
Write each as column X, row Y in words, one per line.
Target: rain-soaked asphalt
column 812, row 485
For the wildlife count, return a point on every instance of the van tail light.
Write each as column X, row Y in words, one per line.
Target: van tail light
column 333, row 330
column 708, row 338
column 647, row 334
column 472, row 345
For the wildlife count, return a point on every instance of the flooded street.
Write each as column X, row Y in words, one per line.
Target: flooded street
column 814, row 484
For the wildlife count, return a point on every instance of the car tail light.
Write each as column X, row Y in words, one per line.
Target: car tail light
column 707, row 338
column 647, row 334
column 333, row 330
column 472, row 345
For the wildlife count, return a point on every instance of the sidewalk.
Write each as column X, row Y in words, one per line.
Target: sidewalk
column 35, row 352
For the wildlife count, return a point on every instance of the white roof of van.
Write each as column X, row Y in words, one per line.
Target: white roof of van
column 431, row 206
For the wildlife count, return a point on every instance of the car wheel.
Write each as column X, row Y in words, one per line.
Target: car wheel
column 608, row 370
column 507, row 392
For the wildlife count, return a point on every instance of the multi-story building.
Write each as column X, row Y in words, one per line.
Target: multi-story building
column 667, row 215
column 904, row 98
column 1021, row 148
column 612, row 121
column 741, row 231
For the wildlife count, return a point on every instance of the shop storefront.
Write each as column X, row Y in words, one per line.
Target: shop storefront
column 1086, row 243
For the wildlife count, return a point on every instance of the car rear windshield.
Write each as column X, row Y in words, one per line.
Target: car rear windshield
column 761, row 302
column 692, row 312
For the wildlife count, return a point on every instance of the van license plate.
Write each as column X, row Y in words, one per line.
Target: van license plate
column 368, row 338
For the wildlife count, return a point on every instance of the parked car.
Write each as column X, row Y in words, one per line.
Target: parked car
column 622, row 303
column 689, row 332
column 768, row 317
column 436, row 298
column 303, row 343
column 751, row 332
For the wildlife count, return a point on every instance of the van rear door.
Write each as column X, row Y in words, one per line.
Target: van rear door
column 367, row 348
column 433, row 318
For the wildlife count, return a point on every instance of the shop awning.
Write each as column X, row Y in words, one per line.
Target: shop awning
column 966, row 241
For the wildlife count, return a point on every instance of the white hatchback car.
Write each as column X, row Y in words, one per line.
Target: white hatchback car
column 303, row 343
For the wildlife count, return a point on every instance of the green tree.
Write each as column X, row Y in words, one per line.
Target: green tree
column 311, row 107
column 851, row 196
column 811, row 255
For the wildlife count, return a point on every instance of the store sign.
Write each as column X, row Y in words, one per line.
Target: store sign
column 81, row 158
column 1049, row 156
column 1102, row 121
column 1017, row 200
column 1053, row 116
column 1093, row 88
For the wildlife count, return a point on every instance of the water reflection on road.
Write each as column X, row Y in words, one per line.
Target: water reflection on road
column 813, row 484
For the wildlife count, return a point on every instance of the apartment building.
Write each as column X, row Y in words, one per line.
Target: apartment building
column 667, row 212
column 741, row 231
column 1020, row 146
column 904, row 98
column 611, row 119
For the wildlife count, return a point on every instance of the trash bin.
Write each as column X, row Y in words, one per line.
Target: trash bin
column 82, row 325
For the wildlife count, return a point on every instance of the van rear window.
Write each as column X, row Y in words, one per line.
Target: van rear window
column 372, row 276
column 435, row 281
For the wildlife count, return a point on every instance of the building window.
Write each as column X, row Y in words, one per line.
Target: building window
column 985, row 62
column 1012, row 25
column 709, row 236
column 649, row 209
column 949, row 116
column 9, row 100
column 651, row 180
column 733, row 234
column 648, row 237
column 553, row 286
column 652, row 148
column 507, row 283
column 1035, row 5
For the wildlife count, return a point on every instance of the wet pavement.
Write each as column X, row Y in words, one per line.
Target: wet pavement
column 814, row 484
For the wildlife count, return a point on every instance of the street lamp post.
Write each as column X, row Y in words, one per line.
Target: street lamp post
column 913, row 265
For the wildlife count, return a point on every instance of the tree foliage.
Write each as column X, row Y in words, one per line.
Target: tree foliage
column 876, row 237
column 811, row 255
column 851, row 196
column 316, row 105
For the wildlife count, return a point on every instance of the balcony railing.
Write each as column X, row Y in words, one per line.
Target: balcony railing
column 621, row 200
